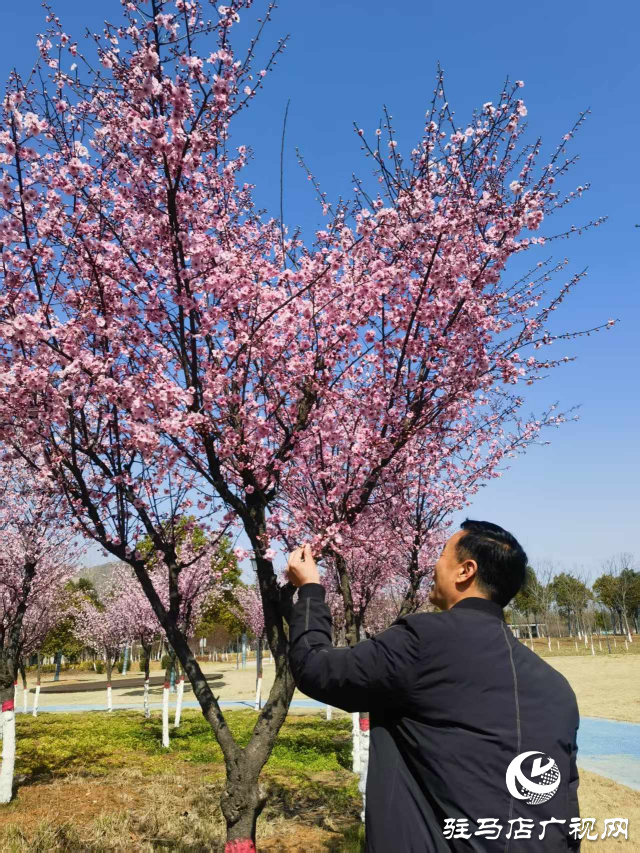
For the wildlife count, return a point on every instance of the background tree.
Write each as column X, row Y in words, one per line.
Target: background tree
column 619, row 589
column 572, row 596
column 220, row 611
column 36, row 558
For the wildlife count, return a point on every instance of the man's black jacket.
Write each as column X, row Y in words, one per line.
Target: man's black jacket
column 453, row 697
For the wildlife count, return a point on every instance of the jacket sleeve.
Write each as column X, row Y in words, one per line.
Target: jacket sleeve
column 376, row 672
column 574, row 781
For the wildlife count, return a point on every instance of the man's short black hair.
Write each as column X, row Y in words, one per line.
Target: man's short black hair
column 500, row 557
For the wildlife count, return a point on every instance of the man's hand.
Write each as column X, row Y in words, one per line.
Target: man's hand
column 302, row 567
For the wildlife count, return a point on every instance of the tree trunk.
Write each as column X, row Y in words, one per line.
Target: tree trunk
column 56, row 676
column 8, row 748
column 7, row 693
column 242, row 802
column 125, row 659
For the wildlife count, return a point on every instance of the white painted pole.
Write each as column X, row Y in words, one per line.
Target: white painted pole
column 36, row 697
column 258, row 703
column 593, row 651
column 147, row 711
column 364, row 761
column 165, row 714
column 355, row 737
column 8, row 751
column 109, row 697
column 180, row 691
column 329, row 712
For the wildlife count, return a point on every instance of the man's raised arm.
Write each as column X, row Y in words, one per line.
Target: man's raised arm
column 376, row 672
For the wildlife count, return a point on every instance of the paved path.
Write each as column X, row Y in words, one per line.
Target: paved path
column 610, row 748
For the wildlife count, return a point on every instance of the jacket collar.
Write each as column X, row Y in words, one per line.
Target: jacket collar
column 491, row 608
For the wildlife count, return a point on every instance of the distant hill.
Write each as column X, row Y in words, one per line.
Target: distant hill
column 100, row 576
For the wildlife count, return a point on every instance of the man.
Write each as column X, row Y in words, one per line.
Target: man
column 455, row 701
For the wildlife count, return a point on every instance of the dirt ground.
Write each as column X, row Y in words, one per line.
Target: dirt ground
column 235, row 684
column 601, row 798
column 180, row 812
column 605, row 686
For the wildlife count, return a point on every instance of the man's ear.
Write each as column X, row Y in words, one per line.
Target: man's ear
column 467, row 571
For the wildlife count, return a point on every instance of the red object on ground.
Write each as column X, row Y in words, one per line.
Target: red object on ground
column 243, row 845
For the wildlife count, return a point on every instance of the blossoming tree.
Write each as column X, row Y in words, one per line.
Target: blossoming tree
column 165, row 348
column 36, row 559
column 106, row 628
column 139, row 615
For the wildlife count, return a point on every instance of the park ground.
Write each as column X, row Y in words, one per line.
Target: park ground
column 98, row 782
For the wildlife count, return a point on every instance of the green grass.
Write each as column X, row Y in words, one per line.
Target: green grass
column 96, row 743
column 307, row 778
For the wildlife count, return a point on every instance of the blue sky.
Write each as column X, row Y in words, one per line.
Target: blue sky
column 574, row 501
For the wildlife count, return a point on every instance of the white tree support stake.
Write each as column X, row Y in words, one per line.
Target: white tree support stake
column 258, row 704
column 36, row 697
column 355, row 738
column 180, row 691
column 8, row 751
column 147, row 711
column 329, row 712
column 363, row 725
column 165, row 715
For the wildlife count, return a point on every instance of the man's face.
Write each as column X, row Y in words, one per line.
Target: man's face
column 450, row 576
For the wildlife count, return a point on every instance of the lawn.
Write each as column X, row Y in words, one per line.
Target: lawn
column 99, row 782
